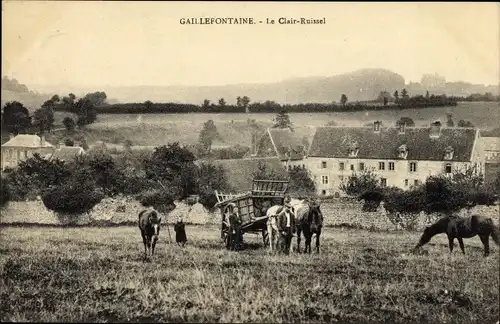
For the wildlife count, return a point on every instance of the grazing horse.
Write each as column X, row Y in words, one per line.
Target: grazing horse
column 149, row 224
column 281, row 227
column 235, row 235
column 309, row 221
column 460, row 228
column 180, row 232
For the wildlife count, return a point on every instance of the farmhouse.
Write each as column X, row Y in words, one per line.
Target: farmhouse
column 401, row 156
column 67, row 153
column 22, row 147
column 289, row 146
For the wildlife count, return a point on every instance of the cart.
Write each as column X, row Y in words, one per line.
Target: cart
column 252, row 207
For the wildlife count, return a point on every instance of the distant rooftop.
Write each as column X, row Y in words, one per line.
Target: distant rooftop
column 27, row 140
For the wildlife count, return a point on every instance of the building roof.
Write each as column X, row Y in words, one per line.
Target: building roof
column 26, row 140
column 287, row 141
column 336, row 142
column 239, row 171
column 491, row 143
column 66, row 153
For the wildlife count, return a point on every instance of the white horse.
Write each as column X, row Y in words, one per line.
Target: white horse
column 274, row 226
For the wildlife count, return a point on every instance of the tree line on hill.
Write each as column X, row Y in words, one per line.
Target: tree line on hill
column 439, row 194
column 16, row 118
column 244, row 105
column 155, row 178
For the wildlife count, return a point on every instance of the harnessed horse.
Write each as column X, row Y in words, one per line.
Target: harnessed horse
column 149, row 224
column 280, row 229
column 309, row 221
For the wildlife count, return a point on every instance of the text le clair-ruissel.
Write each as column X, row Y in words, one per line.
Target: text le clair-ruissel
column 251, row 21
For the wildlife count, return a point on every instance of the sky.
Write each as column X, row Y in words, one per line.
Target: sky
column 137, row 43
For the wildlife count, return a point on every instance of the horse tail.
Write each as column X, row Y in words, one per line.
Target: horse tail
column 495, row 232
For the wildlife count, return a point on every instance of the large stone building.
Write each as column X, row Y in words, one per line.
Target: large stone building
column 401, row 157
column 22, row 147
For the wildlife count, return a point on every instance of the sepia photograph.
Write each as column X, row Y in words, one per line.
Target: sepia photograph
column 250, row 162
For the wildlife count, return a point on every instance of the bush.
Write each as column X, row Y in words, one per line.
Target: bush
column 73, row 197
column 161, row 200
column 403, row 207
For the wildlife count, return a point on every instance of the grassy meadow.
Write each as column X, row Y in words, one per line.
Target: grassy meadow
column 159, row 129
column 100, row 275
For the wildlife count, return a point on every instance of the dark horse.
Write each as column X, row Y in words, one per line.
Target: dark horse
column 149, row 224
column 310, row 221
column 460, row 228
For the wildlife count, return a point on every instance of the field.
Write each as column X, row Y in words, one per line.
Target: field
column 99, row 275
column 160, row 129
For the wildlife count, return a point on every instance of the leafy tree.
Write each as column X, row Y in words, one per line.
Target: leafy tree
column 465, row 123
column 343, row 100
column 404, row 94
column 243, row 102
column 173, row 166
column 449, row 121
column 384, row 97
column 160, row 199
column 282, row 120
column 4, row 192
column 69, row 124
column 403, row 207
column 206, row 104
column 86, row 112
column 96, row 98
column 72, row 197
column 149, row 105
column 301, row 183
column 16, row 118
column 43, row 118
column 405, row 120
column 211, row 178
column 222, row 102
column 207, row 135
column 360, row 183
column 396, row 96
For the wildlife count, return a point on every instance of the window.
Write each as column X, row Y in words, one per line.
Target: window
column 303, row 166
column 391, row 166
column 447, row 168
column 381, row 165
column 324, row 179
column 403, row 151
column 416, row 182
column 323, row 192
column 406, row 182
column 352, row 167
column 341, row 178
column 383, row 182
column 323, row 164
column 341, row 166
column 361, row 166
column 413, row 166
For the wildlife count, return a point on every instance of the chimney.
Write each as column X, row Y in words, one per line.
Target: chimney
column 42, row 140
column 402, row 128
column 435, row 130
column 376, row 126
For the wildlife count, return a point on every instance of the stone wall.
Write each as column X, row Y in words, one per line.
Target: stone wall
column 123, row 211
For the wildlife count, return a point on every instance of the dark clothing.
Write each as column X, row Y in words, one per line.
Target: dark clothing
column 180, row 233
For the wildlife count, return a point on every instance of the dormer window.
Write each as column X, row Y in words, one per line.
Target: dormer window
column 448, row 153
column 403, row 151
column 353, row 149
column 376, row 126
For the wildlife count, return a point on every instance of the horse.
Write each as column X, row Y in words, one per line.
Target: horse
column 309, row 221
column 460, row 228
column 180, row 232
column 149, row 224
column 235, row 235
column 280, row 229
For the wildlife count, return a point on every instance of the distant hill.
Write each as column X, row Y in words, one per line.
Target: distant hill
column 12, row 90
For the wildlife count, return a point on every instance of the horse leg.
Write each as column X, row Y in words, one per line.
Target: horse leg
column 461, row 243
column 308, row 243
column 317, row 241
column 299, row 233
column 450, row 242
column 155, row 239
column 145, row 242
column 485, row 239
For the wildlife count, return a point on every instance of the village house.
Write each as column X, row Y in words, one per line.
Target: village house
column 289, row 146
column 400, row 156
column 22, row 147
column 67, row 153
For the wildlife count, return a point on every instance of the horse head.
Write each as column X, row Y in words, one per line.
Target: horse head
column 155, row 220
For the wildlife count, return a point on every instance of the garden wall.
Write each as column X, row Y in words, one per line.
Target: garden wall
column 124, row 211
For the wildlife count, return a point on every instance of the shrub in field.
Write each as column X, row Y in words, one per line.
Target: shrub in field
column 210, row 178
column 403, row 207
column 72, row 197
column 160, row 199
column 301, row 183
column 35, row 174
